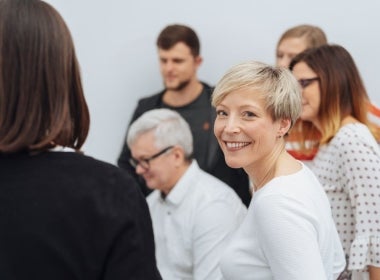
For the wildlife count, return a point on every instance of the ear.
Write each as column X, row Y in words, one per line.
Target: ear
column 179, row 156
column 284, row 127
column 198, row 60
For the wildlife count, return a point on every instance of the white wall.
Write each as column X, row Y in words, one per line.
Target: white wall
column 115, row 43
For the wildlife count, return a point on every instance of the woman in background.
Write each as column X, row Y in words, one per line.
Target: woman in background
column 63, row 215
column 296, row 40
column 292, row 42
column 334, row 106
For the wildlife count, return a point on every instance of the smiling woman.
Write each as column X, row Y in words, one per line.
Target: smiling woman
column 289, row 217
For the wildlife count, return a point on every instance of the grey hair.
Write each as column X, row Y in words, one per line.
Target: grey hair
column 276, row 85
column 170, row 129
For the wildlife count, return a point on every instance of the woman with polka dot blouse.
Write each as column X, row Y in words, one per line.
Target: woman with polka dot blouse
column 334, row 106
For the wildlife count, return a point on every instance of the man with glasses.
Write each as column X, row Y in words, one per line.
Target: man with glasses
column 193, row 213
column 179, row 56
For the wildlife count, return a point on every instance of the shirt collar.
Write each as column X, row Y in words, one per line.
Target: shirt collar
column 182, row 187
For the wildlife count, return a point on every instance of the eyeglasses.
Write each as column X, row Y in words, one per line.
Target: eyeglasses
column 306, row 82
column 145, row 163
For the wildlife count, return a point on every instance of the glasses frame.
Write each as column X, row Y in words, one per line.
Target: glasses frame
column 306, row 82
column 145, row 162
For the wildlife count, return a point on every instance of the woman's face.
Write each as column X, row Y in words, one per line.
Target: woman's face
column 311, row 95
column 288, row 49
column 245, row 131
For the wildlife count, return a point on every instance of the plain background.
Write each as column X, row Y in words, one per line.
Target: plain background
column 115, row 44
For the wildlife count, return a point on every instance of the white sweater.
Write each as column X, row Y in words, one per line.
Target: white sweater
column 288, row 233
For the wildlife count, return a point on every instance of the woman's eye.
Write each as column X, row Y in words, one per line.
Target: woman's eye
column 249, row 114
column 221, row 113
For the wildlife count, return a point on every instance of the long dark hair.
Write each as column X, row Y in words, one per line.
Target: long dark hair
column 41, row 96
column 341, row 87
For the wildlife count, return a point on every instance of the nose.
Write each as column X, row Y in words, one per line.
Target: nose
column 168, row 66
column 232, row 125
column 283, row 62
column 139, row 169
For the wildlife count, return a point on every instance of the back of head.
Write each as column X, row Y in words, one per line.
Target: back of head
column 41, row 97
column 312, row 35
column 170, row 129
column 276, row 85
column 176, row 33
column 341, row 88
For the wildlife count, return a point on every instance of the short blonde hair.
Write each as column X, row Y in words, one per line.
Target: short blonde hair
column 277, row 85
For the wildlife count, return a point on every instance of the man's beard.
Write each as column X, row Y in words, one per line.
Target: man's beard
column 181, row 86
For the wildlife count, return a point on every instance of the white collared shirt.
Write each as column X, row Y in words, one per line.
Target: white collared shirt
column 193, row 224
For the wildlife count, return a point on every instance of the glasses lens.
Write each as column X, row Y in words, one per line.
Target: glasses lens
column 133, row 162
column 143, row 163
column 303, row 83
column 306, row 82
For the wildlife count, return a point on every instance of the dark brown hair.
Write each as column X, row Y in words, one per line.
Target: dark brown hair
column 41, row 97
column 341, row 88
column 173, row 34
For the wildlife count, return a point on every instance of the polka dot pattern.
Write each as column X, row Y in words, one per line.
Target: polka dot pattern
column 349, row 169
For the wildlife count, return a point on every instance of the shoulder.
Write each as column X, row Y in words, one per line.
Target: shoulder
column 214, row 202
column 269, row 201
column 147, row 103
column 209, row 183
column 208, row 190
column 285, row 213
column 92, row 173
column 355, row 131
column 86, row 162
column 204, row 188
column 153, row 198
column 207, row 88
column 114, row 190
column 81, row 181
column 298, row 195
column 353, row 138
column 151, row 101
